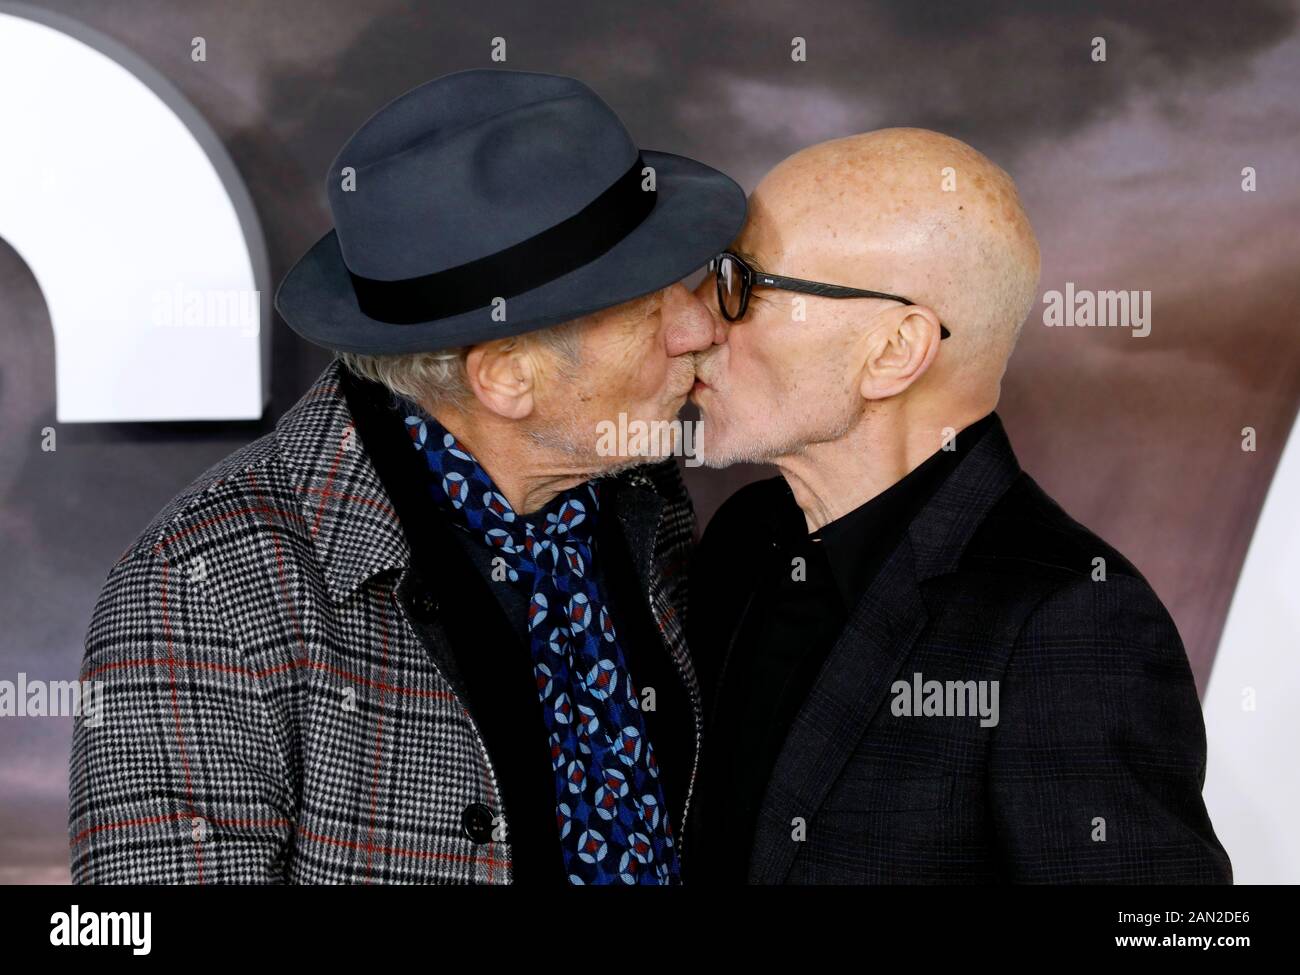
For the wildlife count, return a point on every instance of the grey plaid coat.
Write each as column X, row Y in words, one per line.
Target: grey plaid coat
column 270, row 712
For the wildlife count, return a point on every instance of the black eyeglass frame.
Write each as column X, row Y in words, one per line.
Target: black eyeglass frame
column 749, row 277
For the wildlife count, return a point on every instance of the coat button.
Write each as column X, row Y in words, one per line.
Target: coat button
column 424, row 605
column 476, row 820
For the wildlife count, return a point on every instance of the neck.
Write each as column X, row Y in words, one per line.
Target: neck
column 527, row 473
column 831, row 478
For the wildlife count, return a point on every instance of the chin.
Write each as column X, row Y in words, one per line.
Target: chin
column 718, row 459
column 613, row 466
column 733, row 446
column 712, row 449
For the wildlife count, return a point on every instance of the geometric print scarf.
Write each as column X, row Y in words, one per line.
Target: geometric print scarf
column 609, row 801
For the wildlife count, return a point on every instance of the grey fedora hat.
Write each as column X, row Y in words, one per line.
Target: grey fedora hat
column 489, row 203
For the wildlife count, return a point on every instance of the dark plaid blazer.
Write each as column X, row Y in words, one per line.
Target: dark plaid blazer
column 280, row 705
column 1099, row 723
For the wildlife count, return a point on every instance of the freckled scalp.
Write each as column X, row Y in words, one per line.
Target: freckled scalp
column 908, row 211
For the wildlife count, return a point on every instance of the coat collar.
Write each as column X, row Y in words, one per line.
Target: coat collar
column 350, row 516
column 940, row 534
column 872, row 648
column 342, row 501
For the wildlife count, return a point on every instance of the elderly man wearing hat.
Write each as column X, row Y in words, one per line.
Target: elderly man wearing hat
column 424, row 631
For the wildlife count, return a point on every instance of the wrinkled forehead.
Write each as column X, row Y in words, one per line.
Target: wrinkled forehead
column 804, row 223
column 867, row 204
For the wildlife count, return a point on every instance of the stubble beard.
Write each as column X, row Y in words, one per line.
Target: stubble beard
column 764, row 445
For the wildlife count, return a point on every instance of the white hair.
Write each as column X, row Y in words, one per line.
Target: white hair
column 437, row 379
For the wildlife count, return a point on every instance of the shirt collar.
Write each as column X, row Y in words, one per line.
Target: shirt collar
column 855, row 543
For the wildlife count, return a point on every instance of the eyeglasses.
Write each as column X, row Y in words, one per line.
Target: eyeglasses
column 736, row 279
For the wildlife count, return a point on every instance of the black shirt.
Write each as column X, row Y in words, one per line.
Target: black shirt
column 802, row 591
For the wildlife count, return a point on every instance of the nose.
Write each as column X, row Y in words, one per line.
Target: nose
column 707, row 292
column 688, row 325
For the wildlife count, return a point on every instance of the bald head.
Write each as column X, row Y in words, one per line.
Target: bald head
column 910, row 212
column 802, row 379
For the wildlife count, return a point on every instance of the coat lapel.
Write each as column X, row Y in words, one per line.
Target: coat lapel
column 343, row 502
column 872, row 649
column 657, row 548
column 834, row 717
column 658, row 536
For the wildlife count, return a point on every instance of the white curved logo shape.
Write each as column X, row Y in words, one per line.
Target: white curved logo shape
column 142, row 237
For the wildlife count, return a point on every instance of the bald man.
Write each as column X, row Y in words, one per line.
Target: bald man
column 919, row 669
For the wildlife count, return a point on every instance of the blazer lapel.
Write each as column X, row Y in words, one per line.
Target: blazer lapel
column 834, row 717
column 873, row 647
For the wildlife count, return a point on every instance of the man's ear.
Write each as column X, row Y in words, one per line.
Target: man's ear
column 501, row 374
column 900, row 351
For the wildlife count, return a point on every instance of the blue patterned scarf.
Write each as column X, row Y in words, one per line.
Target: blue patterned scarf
column 610, row 808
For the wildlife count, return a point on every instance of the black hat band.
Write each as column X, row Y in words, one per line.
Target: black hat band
column 553, row 253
